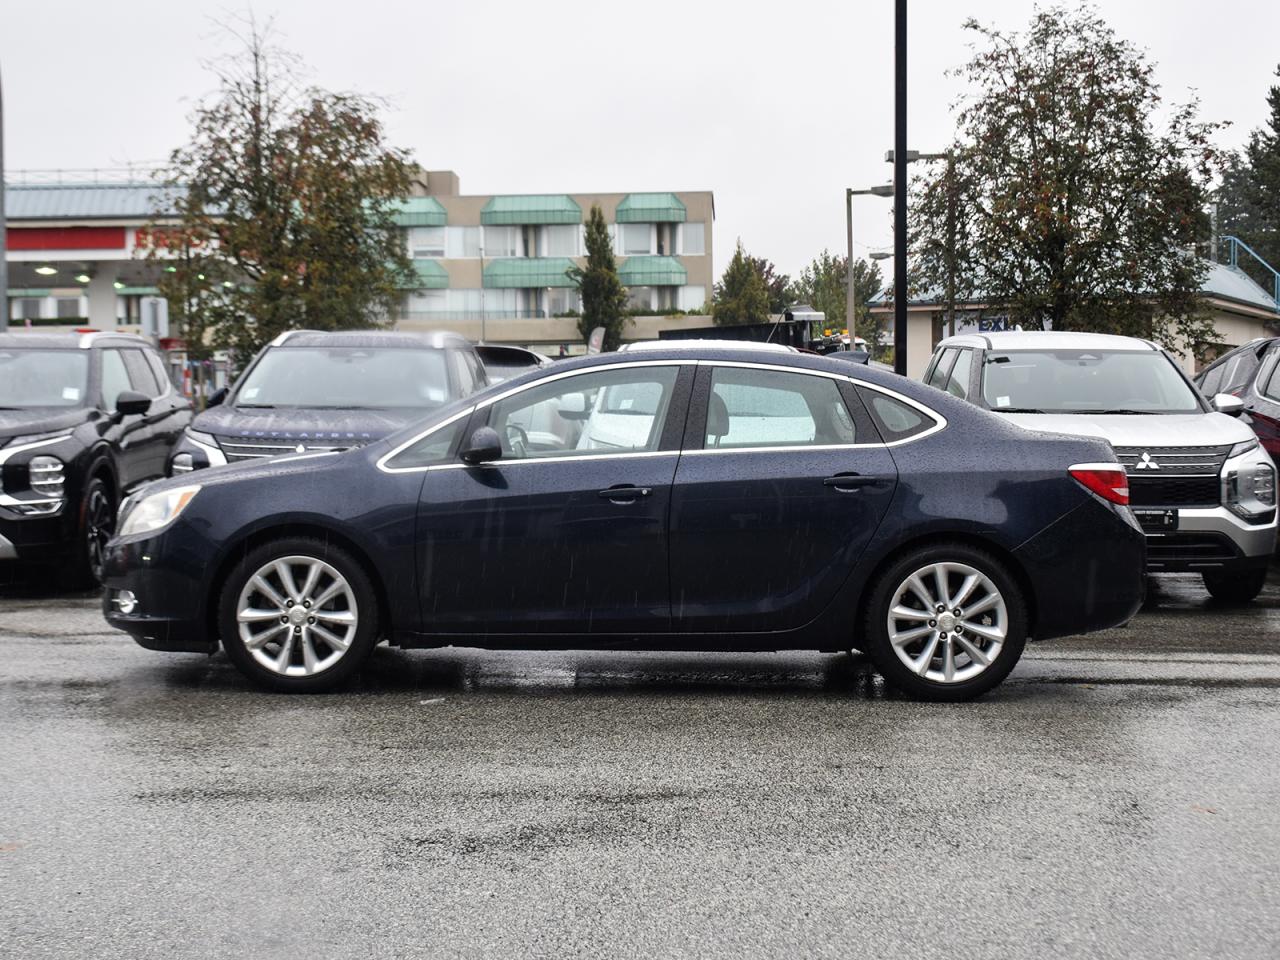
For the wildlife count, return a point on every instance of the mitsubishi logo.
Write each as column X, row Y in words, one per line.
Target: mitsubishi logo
column 1146, row 463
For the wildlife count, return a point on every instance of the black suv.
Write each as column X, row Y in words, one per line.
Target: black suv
column 313, row 392
column 1252, row 373
column 84, row 419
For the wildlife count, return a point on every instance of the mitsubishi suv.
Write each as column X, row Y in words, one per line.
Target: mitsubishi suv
column 1200, row 484
column 84, row 420
column 314, row 392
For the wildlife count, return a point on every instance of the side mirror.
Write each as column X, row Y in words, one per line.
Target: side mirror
column 129, row 403
column 485, row 447
column 573, row 406
column 1230, row 405
column 217, row 397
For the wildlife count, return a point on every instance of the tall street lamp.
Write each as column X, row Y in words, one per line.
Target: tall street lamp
column 882, row 190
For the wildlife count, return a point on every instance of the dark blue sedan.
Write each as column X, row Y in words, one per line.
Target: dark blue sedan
column 694, row 499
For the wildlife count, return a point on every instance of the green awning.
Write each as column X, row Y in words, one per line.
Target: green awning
column 652, row 272
column 28, row 293
column 139, row 291
column 427, row 275
column 526, row 272
column 549, row 208
column 419, row 212
column 651, row 208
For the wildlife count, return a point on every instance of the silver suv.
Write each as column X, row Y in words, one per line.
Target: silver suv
column 1200, row 485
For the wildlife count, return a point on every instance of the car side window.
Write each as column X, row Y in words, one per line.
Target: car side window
column 1209, row 380
column 768, row 408
column 477, row 370
column 434, row 448
column 159, row 369
column 958, row 383
column 463, row 373
column 610, row 411
column 894, row 419
column 115, row 378
column 1272, row 389
column 141, row 376
column 942, row 369
column 1239, row 372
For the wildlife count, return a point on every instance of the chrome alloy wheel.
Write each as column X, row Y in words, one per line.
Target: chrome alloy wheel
column 297, row 616
column 947, row 622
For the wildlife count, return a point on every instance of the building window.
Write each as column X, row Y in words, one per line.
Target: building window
column 426, row 242
column 693, row 239
column 28, row 308
column 68, row 307
column 428, row 301
column 640, row 298
column 693, row 297
column 462, row 242
column 562, row 240
column 501, row 241
column 563, row 300
column 635, row 239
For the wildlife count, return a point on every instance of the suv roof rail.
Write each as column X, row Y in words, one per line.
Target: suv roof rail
column 289, row 333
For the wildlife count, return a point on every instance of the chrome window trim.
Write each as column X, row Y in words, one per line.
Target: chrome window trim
column 940, row 422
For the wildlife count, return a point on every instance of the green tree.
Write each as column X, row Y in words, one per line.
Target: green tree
column 822, row 285
column 604, row 298
column 1249, row 198
column 1064, row 205
column 740, row 296
column 776, row 284
column 288, row 193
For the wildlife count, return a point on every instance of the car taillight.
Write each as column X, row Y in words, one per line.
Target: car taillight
column 1107, row 480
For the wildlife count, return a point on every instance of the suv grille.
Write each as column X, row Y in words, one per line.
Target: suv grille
column 257, row 448
column 1173, row 476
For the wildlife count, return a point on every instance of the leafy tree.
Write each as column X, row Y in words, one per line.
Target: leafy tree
column 288, row 194
column 740, row 296
column 822, row 285
column 777, row 285
column 1249, row 198
column 604, row 298
column 1063, row 205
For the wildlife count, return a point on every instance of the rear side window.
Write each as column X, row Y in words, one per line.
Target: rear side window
column 894, row 419
column 1239, row 371
column 941, row 369
column 159, row 369
column 958, row 384
column 768, row 408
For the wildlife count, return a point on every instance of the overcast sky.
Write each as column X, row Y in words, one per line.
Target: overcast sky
column 776, row 107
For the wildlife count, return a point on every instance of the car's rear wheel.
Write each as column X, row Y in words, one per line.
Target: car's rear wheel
column 298, row 615
column 945, row 622
column 1235, row 587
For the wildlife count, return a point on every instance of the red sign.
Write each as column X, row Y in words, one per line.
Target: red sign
column 65, row 238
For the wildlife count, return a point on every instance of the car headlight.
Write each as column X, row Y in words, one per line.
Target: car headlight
column 32, row 439
column 46, row 475
column 1243, row 447
column 207, row 443
column 157, row 510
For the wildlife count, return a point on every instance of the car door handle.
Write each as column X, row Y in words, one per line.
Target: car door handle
column 849, row 482
column 625, row 492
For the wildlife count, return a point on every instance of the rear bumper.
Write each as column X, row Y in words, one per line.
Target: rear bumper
column 1085, row 571
column 1211, row 539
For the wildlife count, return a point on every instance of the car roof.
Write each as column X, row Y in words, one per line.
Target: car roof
column 425, row 340
column 705, row 343
column 504, row 353
column 1048, row 340
column 70, row 340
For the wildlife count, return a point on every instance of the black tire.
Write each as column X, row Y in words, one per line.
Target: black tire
column 365, row 629
column 876, row 642
column 1235, row 587
column 95, row 526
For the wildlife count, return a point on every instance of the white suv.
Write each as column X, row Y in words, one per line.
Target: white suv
column 1202, row 488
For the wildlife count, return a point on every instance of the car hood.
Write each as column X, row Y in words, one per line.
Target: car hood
column 21, row 423
column 290, row 423
column 1164, row 430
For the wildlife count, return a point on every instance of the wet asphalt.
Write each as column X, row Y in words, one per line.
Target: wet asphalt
column 1118, row 796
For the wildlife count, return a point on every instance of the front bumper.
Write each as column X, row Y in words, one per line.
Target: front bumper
column 1211, row 539
column 40, row 539
column 166, row 581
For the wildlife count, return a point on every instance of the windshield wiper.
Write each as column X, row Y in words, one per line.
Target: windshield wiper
column 1119, row 411
column 255, row 406
column 1016, row 410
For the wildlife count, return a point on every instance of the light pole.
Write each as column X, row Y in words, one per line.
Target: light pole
column 900, row 182
column 884, row 190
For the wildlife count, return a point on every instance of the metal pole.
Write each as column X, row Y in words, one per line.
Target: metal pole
column 900, row 187
column 4, row 228
column 848, row 265
column 951, row 246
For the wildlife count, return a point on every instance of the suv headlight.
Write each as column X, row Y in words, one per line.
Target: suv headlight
column 1249, row 489
column 156, row 511
column 46, row 475
column 1243, row 447
column 207, row 444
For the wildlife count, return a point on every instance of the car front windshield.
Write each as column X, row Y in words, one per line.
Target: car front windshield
column 43, row 378
column 347, row 377
column 1085, row 381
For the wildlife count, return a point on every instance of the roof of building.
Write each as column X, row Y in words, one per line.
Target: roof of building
column 88, row 201
column 1049, row 340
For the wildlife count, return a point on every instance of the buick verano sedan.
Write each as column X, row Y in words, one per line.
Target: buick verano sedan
column 709, row 499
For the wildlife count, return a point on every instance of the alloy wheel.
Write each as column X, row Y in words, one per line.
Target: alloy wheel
column 947, row 622
column 297, row 616
column 99, row 524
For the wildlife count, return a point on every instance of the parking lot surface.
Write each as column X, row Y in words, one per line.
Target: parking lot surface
column 1118, row 796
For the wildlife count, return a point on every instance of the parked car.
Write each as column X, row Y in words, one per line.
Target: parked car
column 1202, row 487
column 1250, row 373
column 309, row 391
column 84, row 418
column 502, row 362
column 756, row 501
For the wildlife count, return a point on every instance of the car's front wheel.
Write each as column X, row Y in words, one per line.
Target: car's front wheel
column 945, row 622
column 298, row 615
